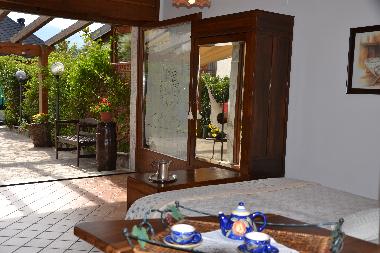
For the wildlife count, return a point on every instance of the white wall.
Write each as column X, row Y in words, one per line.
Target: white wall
column 333, row 138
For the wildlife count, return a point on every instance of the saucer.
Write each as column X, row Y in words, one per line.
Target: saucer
column 243, row 249
column 153, row 178
column 169, row 241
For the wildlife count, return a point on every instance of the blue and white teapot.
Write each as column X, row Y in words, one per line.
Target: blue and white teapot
column 240, row 222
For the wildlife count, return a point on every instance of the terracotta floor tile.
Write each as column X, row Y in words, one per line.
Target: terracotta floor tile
column 95, row 250
column 39, row 242
column 19, row 225
column 3, row 239
column 68, row 236
column 75, row 251
column 7, row 249
column 61, row 244
column 49, row 235
column 39, row 227
column 59, row 228
column 51, row 250
column 15, row 241
column 40, row 217
column 4, row 224
column 27, row 250
column 81, row 245
column 28, row 233
column 9, row 232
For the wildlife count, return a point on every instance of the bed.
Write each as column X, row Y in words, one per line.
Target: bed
column 301, row 200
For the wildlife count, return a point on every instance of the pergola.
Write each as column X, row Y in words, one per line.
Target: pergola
column 123, row 12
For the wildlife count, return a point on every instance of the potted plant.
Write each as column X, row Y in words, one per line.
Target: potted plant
column 39, row 130
column 215, row 132
column 104, row 109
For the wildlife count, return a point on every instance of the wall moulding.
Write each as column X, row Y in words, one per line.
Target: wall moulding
column 192, row 3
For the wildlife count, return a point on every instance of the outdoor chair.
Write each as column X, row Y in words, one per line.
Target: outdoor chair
column 85, row 137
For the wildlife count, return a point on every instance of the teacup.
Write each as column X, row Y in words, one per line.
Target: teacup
column 258, row 242
column 184, row 234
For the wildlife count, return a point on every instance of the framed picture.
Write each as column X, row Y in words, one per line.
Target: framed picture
column 364, row 61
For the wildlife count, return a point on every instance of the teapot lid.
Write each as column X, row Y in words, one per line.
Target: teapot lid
column 240, row 210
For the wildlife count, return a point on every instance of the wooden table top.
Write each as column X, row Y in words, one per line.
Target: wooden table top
column 191, row 178
column 108, row 237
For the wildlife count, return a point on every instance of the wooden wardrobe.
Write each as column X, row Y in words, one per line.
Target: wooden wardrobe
column 264, row 85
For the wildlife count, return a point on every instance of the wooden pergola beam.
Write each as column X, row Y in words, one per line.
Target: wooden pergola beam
column 42, row 89
column 132, row 12
column 7, row 48
column 19, row 49
column 64, row 34
column 3, row 14
column 31, row 28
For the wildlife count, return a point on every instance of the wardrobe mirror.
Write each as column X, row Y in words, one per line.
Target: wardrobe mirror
column 219, row 103
column 166, row 89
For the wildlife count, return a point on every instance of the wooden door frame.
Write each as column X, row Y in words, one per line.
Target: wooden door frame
column 213, row 39
column 145, row 156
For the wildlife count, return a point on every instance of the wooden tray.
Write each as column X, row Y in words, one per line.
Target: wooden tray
column 302, row 242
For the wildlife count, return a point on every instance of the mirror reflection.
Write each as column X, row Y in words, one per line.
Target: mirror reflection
column 219, row 103
column 166, row 89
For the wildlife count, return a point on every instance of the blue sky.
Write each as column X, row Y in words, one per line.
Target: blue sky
column 53, row 27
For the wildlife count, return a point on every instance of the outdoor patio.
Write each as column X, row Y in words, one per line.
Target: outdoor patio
column 20, row 162
column 39, row 217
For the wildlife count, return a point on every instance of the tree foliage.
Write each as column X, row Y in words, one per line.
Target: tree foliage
column 219, row 89
column 218, row 86
column 204, row 100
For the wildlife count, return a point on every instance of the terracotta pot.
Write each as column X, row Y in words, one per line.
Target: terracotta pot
column 106, row 116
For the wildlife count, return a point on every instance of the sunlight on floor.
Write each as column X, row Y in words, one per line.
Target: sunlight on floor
column 41, row 217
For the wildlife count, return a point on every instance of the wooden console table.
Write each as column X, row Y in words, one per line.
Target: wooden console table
column 108, row 237
column 139, row 186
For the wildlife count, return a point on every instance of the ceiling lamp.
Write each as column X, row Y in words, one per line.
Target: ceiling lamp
column 192, row 3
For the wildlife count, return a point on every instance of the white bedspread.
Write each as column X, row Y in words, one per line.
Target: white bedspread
column 305, row 201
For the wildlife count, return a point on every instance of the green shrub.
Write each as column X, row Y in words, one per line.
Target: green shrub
column 11, row 87
column 40, row 118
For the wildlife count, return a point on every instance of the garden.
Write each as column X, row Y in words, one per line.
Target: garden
column 88, row 86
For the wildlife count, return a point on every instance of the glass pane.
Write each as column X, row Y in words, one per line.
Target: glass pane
column 219, row 103
column 166, row 89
